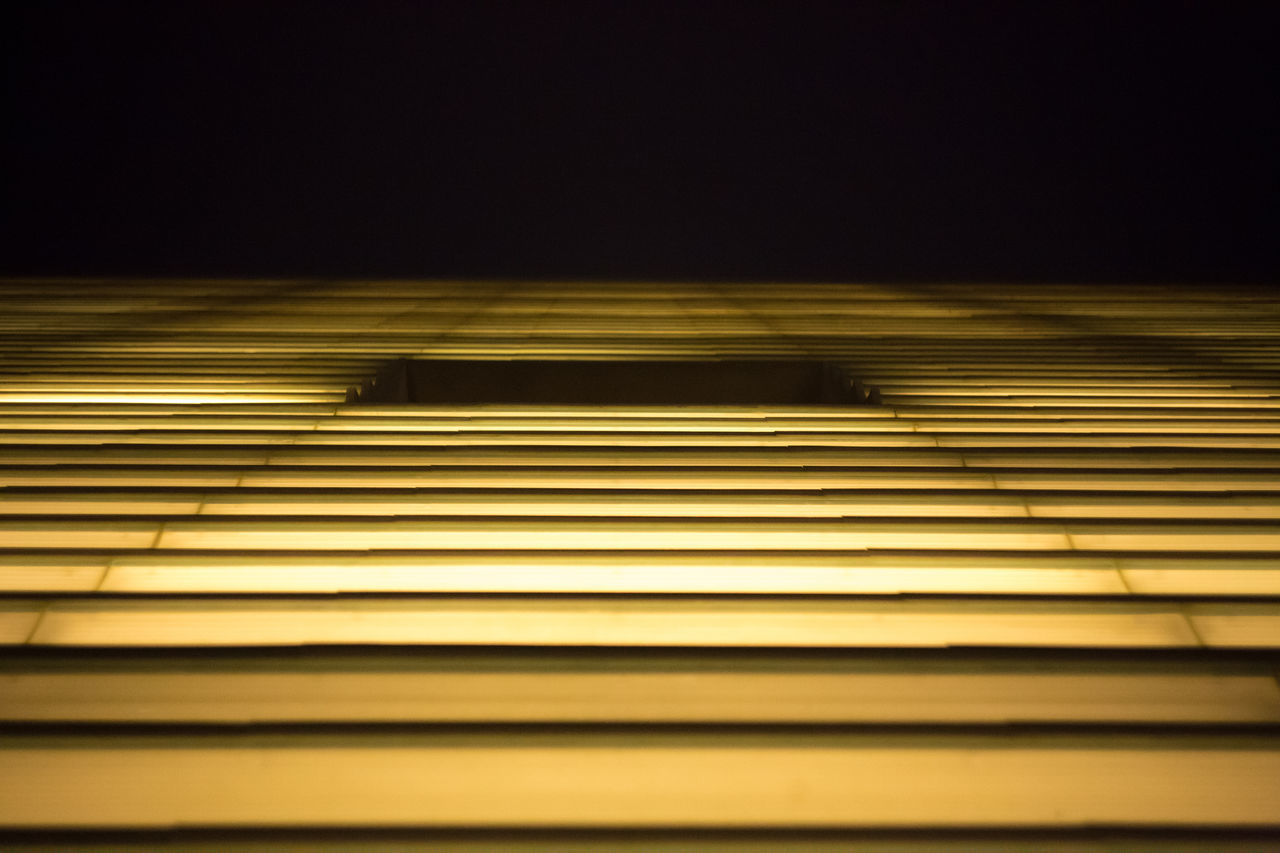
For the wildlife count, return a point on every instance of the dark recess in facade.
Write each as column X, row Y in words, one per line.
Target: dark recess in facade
column 612, row 383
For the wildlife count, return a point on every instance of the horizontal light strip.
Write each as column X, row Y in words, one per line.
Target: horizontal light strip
column 623, row 534
column 37, row 572
column 509, row 503
column 995, row 430
column 638, row 697
column 161, row 399
column 592, row 572
column 629, row 457
column 642, row 622
column 561, row 534
column 634, row 785
column 12, row 442
column 585, row 457
column 764, row 479
column 18, row 619
column 658, row 572
column 610, row 503
column 535, row 417
column 1203, row 577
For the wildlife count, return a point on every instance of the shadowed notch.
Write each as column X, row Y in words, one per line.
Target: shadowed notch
column 619, row 383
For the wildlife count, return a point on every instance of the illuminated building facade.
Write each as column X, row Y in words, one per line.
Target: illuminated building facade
column 1028, row 596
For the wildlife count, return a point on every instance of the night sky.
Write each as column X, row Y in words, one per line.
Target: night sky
column 1032, row 141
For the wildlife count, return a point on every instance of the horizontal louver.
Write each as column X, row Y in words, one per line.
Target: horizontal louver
column 554, row 621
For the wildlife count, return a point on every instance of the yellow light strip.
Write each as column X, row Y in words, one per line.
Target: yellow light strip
column 603, row 502
column 17, row 623
column 620, row 572
column 152, row 434
column 566, row 572
column 639, row 697
column 763, row 479
column 641, row 622
column 161, row 399
column 611, row 534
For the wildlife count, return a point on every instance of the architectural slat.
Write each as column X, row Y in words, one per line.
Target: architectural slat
column 716, row 697
column 637, row 621
column 613, row 572
column 621, row 502
column 636, row 784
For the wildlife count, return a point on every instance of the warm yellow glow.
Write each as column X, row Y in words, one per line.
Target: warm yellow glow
column 17, row 621
column 1237, row 625
column 658, row 572
column 37, row 573
column 630, row 622
column 608, row 573
column 234, row 601
column 642, row 697
column 853, row 782
column 80, row 534
column 603, row 502
column 1212, row 576
column 161, row 399
column 531, row 477
column 572, row 534
column 598, row 503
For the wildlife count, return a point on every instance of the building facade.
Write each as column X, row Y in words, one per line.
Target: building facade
column 1027, row 595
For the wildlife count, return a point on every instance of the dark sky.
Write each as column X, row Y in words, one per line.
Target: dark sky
column 806, row 140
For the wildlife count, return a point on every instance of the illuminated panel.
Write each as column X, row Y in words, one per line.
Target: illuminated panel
column 639, row 697
column 557, row 438
column 82, row 533
column 625, row 456
column 661, row 572
column 18, row 620
column 1178, row 537
column 1153, row 481
column 496, row 784
column 51, row 573
column 601, row 503
column 1084, row 440
column 624, row 478
column 145, row 438
column 1205, row 576
column 603, row 534
column 1159, row 458
column 1207, row 402
column 1159, row 429
column 629, row 456
column 1154, row 506
column 117, row 455
column 1237, row 625
column 620, row 622
column 98, row 503
column 93, row 477
column 160, row 398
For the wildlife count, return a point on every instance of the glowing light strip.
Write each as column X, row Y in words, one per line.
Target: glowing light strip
column 641, row 622
column 639, row 697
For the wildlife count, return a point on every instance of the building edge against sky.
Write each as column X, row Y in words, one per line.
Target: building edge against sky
column 1030, row 596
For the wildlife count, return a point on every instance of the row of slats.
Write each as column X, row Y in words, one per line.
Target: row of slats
column 1036, row 591
column 666, row 571
column 639, row 621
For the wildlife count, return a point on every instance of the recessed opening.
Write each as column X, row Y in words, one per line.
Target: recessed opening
column 612, row 383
